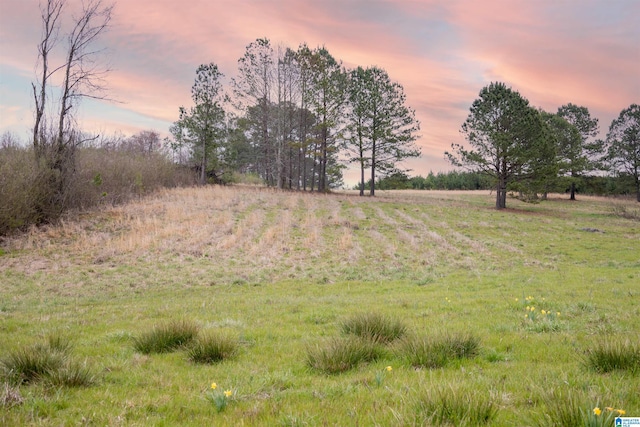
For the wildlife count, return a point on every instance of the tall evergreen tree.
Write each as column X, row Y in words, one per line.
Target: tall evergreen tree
column 580, row 156
column 201, row 127
column 623, row 140
column 509, row 140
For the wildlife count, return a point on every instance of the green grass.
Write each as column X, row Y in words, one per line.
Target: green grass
column 212, row 347
column 436, row 351
column 454, row 405
column 609, row 355
column 375, row 327
column 166, row 337
column 282, row 272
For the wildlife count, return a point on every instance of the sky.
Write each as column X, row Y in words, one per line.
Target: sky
column 443, row 52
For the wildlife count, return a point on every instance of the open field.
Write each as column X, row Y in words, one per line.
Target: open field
column 281, row 271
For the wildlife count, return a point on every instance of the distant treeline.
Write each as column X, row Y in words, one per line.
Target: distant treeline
column 455, row 180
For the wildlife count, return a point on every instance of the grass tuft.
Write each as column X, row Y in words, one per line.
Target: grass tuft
column 573, row 409
column 212, row 348
column 446, row 405
column 51, row 363
column 436, row 352
column 71, row 374
column 611, row 355
column 29, row 364
column 338, row 355
column 375, row 327
column 10, row 396
column 166, row 337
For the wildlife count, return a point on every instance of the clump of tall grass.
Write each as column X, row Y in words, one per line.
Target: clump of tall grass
column 573, row 409
column 458, row 406
column 212, row 347
column 438, row 350
column 374, row 327
column 52, row 363
column 611, row 355
column 166, row 337
column 338, row 355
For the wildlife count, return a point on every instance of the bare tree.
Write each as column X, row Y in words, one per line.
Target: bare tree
column 54, row 135
column 50, row 29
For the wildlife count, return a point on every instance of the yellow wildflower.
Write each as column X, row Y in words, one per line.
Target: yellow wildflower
column 543, row 312
column 389, row 368
column 597, row 411
column 228, row 393
column 516, row 299
column 609, row 408
column 621, row 411
column 214, row 386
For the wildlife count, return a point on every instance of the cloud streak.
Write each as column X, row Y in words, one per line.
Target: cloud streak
column 585, row 52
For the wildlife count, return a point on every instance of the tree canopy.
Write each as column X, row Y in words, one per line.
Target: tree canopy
column 509, row 140
column 623, row 141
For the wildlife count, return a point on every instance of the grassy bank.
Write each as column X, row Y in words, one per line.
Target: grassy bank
column 281, row 272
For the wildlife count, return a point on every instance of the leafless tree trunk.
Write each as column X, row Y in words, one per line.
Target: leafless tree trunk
column 83, row 78
column 50, row 29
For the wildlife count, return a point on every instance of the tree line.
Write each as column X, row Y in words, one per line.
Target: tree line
column 294, row 118
column 521, row 148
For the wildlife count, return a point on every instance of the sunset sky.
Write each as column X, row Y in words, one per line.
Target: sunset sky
column 443, row 52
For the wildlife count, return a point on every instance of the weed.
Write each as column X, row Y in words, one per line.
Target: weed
column 51, row 363
column 572, row 409
column 166, row 337
column 462, row 406
column 338, row 355
column 437, row 351
column 71, row 374
column 212, row 348
column 610, row 355
column 374, row 327
column 28, row 364
column 10, row 396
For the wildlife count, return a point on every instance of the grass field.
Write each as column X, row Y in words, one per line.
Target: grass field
column 542, row 288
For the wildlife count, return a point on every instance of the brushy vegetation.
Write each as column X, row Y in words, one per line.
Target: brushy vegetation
column 610, row 355
column 336, row 355
column 375, row 327
column 103, row 175
column 53, row 364
column 438, row 350
column 450, row 405
column 281, row 272
column 166, row 337
column 573, row 408
column 212, row 347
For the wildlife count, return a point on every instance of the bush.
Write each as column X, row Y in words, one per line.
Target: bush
column 166, row 337
column 374, row 327
column 342, row 354
column 437, row 351
column 213, row 348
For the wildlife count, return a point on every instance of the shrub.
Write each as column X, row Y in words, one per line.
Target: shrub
column 342, row 354
column 166, row 337
column 611, row 355
column 213, row 348
column 375, row 327
column 437, row 351
column 446, row 405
